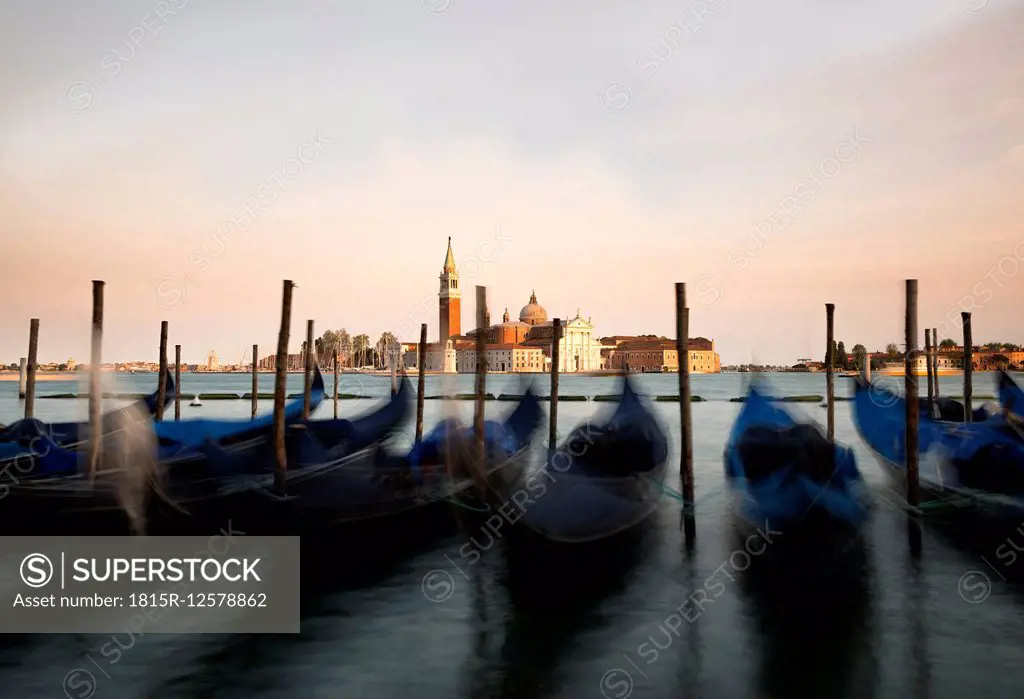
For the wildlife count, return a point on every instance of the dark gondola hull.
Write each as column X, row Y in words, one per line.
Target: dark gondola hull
column 604, row 480
column 338, row 477
column 345, row 478
column 797, row 497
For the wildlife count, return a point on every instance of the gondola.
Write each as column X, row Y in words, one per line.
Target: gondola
column 1011, row 396
column 374, row 481
column 975, row 467
column 786, row 477
column 603, row 480
column 207, row 438
column 144, row 462
column 20, row 437
column 341, row 472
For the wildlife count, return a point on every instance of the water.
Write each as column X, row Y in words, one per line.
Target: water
column 931, row 628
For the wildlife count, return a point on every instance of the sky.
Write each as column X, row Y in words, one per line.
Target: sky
column 773, row 156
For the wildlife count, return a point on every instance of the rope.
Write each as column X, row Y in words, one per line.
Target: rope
column 453, row 499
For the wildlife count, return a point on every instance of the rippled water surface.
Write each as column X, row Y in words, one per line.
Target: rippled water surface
column 436, row 625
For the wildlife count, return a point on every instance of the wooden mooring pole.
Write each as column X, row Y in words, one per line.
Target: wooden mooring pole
column 22, row 377
column 968, row 367
column 255, row 380
column 161, row 391
column 830, row 371
column 393, row 359
column 911, row 442
column 307, row 381
column 177, row 383
column 556, row 336
column 481, row 374
column 931, row 376
column 335, row 384
column 685, row 412
column 280, row 381
column 421, row 361
column 30, row 376
column 95, row 394
column 935, row 360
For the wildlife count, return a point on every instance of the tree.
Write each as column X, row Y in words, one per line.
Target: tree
column 841, row 358
column 1001, row 360
column 360, row 344
column 892, row 351
column 386, row 346
column 859, row 351
column 327, row 345
column 344, row 346
column 835, row 355
column 947, row 344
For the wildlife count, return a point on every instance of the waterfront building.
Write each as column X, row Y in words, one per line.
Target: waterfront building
column 212, row 362
column 442, row 357
column 578, row 350
column 981, row 359
column 503, row 357
column 506, row 332
column 269, row 363
column 650, row 353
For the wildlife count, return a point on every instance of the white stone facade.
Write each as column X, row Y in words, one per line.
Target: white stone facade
column 504, row 358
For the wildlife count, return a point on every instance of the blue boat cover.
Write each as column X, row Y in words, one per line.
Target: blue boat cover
column 179, row 438
column 987, row 456
column 1011, row 396
column 785, row 468
column 506, row 437
column 65, row 433
column 34, row 456
column 629, row 442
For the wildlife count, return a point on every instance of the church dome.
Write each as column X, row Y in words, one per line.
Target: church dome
column 533, row 313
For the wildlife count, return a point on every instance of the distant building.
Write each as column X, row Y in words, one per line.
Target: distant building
column 981, row 359
column 295, row 362
column 649, row 353
column 514, row 341
column 505, row 357
column 212, row 361
column 442, row 357
column 578, row 350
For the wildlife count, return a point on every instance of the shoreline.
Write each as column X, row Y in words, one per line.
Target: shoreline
column 43, row 376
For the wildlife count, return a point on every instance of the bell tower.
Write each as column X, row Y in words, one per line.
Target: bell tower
column 449, row 298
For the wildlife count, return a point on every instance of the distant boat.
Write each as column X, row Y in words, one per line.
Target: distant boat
column 196, row 403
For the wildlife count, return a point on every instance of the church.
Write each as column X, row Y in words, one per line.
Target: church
column 522, row 345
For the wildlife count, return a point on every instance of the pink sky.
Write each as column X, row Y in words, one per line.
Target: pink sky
column 672, row 189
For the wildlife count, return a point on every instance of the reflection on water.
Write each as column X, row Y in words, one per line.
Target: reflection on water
column 813, row 627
